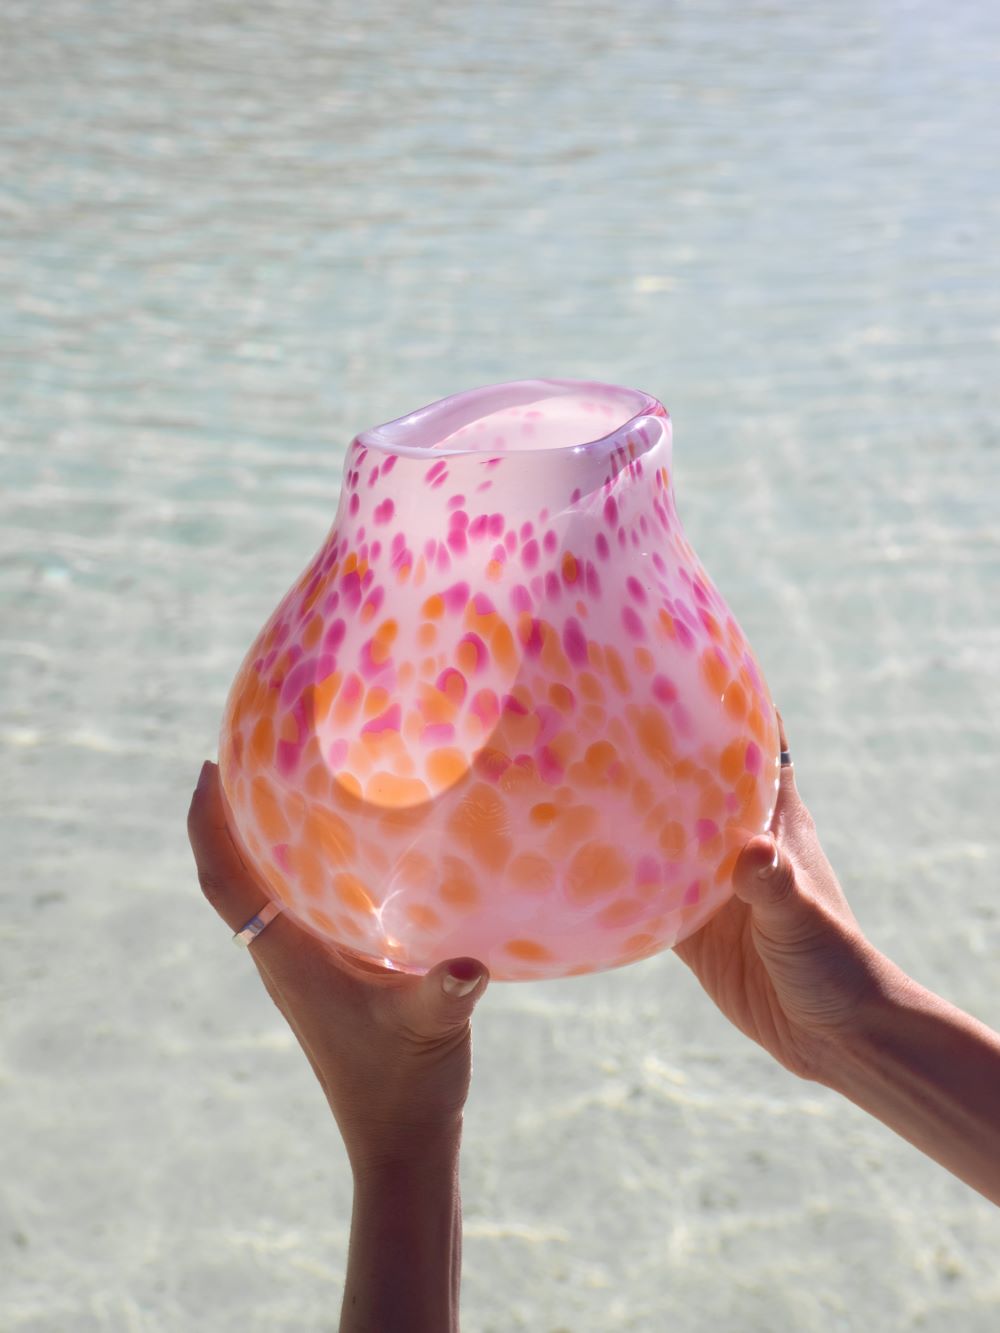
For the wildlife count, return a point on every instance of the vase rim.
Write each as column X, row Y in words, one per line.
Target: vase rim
column 440, row 419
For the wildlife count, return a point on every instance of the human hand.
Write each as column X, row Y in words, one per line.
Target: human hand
column 392, row 1052
column 785, row 959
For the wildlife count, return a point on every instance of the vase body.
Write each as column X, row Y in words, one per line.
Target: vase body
column 504, row 713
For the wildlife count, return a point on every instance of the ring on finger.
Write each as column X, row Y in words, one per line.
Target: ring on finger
column 246, row 935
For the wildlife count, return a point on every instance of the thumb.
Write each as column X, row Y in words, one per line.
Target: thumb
column 445, row 997
column 764, row 879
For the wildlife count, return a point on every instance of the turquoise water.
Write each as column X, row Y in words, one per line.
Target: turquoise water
column 232, row 236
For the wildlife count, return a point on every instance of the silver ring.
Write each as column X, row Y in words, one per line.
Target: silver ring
column 786, row 759
column 245, row 937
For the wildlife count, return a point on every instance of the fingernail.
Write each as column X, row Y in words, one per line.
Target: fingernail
column 461, row 979
column 204, row 772
column 766, row 871
column 459, row 988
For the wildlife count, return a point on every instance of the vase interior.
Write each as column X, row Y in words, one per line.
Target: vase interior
column 522, row 416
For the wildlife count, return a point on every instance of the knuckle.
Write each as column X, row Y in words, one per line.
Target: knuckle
column 785, row 878
column 781, row 886
column 213, row 886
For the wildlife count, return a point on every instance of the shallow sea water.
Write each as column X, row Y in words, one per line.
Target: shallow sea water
column 230, row 237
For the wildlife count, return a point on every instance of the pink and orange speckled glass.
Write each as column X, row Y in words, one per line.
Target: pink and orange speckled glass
column 503, row 713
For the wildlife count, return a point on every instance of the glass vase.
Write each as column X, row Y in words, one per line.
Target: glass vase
column 504, row 712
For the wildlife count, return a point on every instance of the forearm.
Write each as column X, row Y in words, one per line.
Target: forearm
column 931, row 1073
column 404, row 1263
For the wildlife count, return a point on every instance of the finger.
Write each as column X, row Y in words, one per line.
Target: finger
column 229, row 884
column 788, row 798
column 289, row 953
column 443, row 1000
column 764, row 878
column 782, row 737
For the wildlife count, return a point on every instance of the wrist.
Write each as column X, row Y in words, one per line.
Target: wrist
column 929, row 1071
column 404, row 1262
column 855, row 1040
column 423, row 1157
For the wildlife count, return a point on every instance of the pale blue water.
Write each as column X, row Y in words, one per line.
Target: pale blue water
column 233, row 235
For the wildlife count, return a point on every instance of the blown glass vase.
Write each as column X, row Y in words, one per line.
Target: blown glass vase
column 504, row 712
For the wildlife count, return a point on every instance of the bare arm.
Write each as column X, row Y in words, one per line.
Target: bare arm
column 406, row 1247
column 928, row 1071
column 393, row 1054
column 786, row 961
